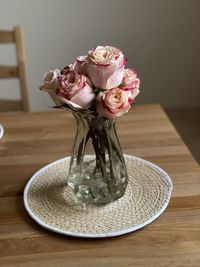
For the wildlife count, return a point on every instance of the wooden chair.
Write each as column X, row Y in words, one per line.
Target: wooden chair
column 19, row 71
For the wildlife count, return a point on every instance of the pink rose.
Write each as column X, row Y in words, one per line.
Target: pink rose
column 50, row 84
column 50, row 80
column 80, row 65
column 130, row 82
column 113, row 103
column 75, row 90
column 105, row 67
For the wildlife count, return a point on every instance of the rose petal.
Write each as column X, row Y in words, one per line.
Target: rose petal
column 84, row 97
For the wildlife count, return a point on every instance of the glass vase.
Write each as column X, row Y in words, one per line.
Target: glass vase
column 97, row 172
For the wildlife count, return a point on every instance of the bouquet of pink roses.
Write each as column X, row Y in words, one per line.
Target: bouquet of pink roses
column 98, row 89
column 97, row 82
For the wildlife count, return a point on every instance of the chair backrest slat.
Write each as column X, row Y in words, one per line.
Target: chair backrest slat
column 9, row 71
column 7, row 37
column 8, row 105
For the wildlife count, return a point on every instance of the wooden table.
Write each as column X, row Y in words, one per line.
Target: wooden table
column 34, row 139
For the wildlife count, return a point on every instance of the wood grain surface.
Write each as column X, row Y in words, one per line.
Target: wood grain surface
column 32, row 140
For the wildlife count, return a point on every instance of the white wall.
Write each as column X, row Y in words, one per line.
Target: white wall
column 160, row 38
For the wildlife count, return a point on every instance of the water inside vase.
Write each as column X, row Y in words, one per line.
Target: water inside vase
column 93, row 187
column 97, row 172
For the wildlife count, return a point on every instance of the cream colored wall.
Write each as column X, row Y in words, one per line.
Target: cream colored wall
column 160, row 38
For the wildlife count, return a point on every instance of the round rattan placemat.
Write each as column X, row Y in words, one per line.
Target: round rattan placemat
column 51, row 203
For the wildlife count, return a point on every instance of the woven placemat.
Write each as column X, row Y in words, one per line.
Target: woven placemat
column 53, row 205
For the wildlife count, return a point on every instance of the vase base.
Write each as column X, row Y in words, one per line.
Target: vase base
column 93, row 189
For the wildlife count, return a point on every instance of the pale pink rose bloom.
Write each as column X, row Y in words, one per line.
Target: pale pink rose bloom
column 80, row 65
column 50, row 83
column 105, row 67
column 74, row 90
column 50, row 80
column 113, row 103
column 130, row 82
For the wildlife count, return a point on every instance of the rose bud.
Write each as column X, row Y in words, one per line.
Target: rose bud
column 105, row 67
column 80, row 65
column 50, row 83
column 74, row 89
column 130, row 82
column 113, row 103
column 50, row 80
